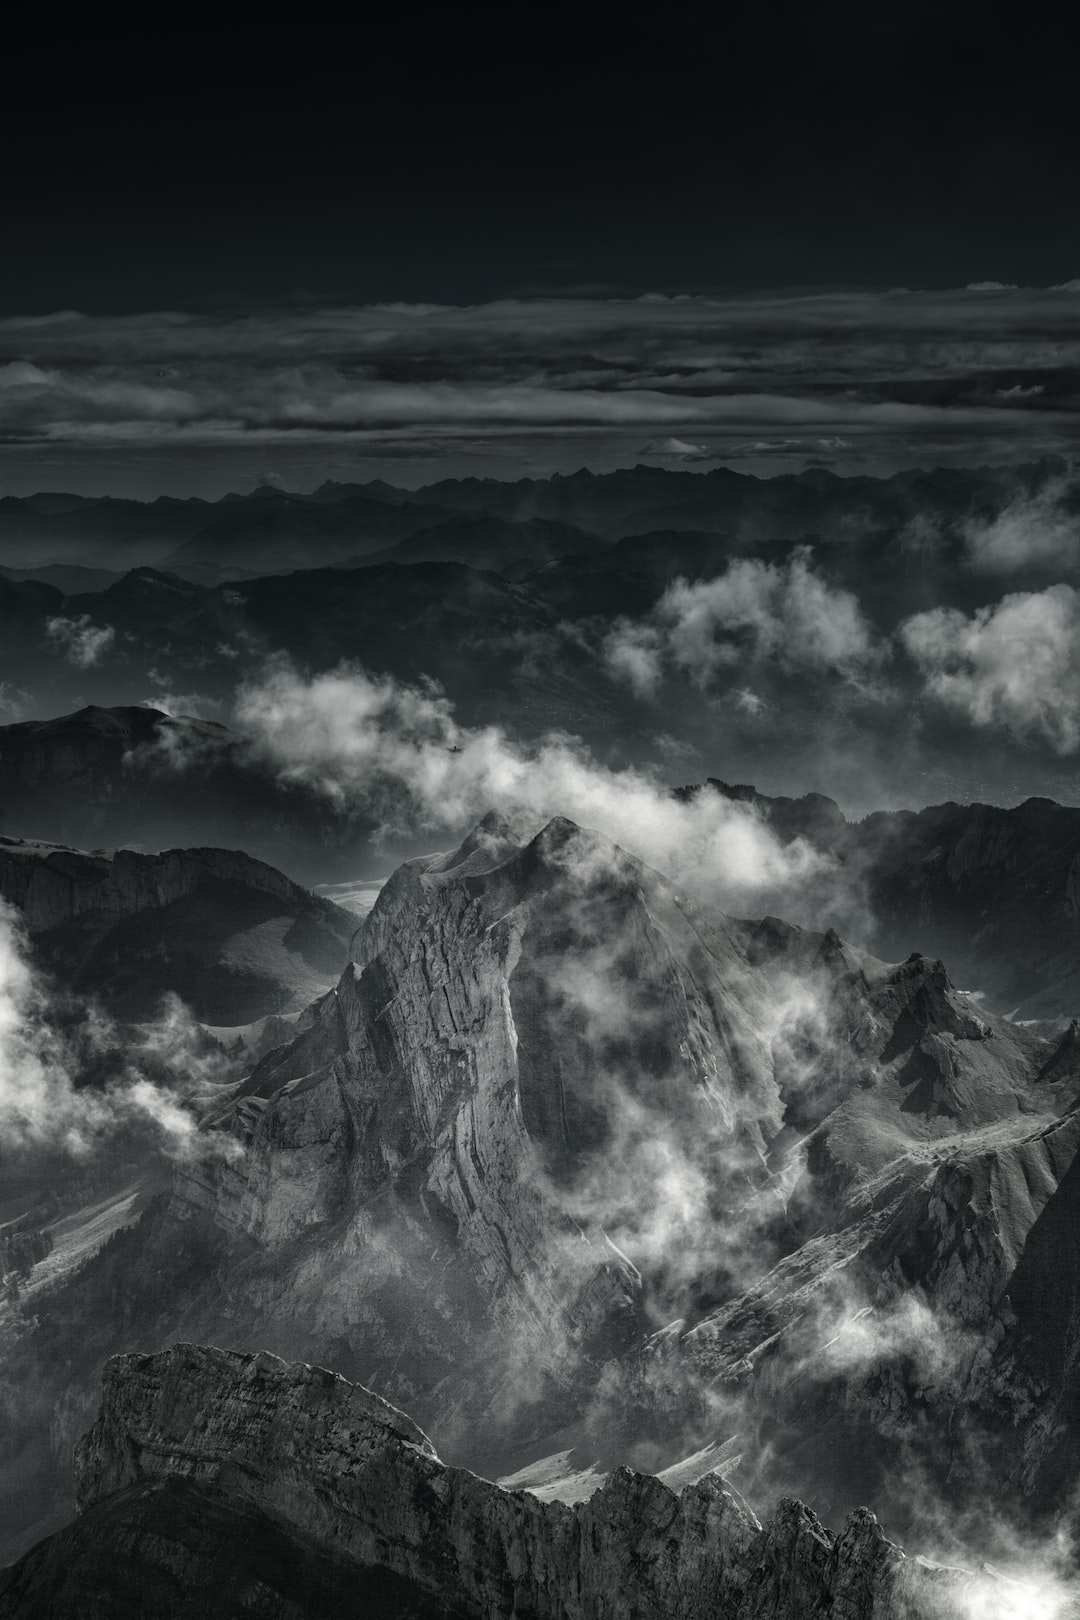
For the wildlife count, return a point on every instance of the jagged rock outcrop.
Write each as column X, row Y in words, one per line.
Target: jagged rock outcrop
column 575, row 1169
column 994, row 891
column 234, row 938
column 297, row 1455
column 451, row 1132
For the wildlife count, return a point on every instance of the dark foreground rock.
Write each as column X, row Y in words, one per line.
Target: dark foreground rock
column 218, row 1484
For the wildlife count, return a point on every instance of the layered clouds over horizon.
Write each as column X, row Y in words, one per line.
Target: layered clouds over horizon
column 766, row 382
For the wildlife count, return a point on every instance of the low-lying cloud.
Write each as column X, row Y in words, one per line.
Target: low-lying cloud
column 750, row 375
column 395, row 754
column 1015, row 664
column 70, row 1078
column 786, row 614
column 82, row 642
column 1039, row 530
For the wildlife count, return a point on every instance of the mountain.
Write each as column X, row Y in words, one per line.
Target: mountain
column 513, row 550
column 68, row 578
column 24, row 605
column 995, row 891
column 136, row 776
column 94, row 531
column 273, row 532
column 635, row 500
column 270, row 528
column 212, row 1482
column 541, row 605
column 275, row 527
column 232, row 937
column 586, row 1174
column 494, row 645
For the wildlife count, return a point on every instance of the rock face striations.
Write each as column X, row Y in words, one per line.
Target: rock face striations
column 222, row 1485
column 583, row 1174
column 232, row 936
column 563, row 1143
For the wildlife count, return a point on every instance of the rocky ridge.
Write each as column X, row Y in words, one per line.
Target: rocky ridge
column 994, row 891
column 582, row 1174
column 440, row 1141
column 328, row 1465
column 235, row 938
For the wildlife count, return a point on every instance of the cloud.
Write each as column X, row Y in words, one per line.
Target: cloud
column 785, row 614
column 53, row 1054
column 634, row 653
column 788, row 448
column 1015, row 664
column 396, row 754
column 677, row 450
column 1040, row 529
column 82, row 642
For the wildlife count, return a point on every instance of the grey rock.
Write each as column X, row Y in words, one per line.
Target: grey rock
column 350, row 1479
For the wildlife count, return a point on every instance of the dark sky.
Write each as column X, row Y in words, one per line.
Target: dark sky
column 215, row 159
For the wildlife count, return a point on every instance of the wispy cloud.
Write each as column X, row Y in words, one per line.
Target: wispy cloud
column 82, row 642
column 51, row 1092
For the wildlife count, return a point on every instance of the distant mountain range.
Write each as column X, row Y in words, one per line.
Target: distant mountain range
column 514, row 597
column 272, row 530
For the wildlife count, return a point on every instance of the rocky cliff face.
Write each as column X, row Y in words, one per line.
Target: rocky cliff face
column 295, row 1455
column 556, row 1119
column 584, row 1174
column 233, row 937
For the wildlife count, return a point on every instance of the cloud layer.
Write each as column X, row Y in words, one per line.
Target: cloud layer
column 780, row 378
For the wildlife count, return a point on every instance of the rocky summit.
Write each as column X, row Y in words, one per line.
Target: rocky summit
column 222, row 1485
column 584, row 1174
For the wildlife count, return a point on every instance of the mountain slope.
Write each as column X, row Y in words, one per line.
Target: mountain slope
column 231, row 936
column 994, row 891
column 586, row 1174
column 137, row 776
column 228, row 1476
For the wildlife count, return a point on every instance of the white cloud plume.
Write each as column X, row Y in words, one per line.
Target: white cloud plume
column 785, row 614
column 1037, row 530
column 44, row 1057
column 82, row 642
column 395, row 753
column 1015, row 664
